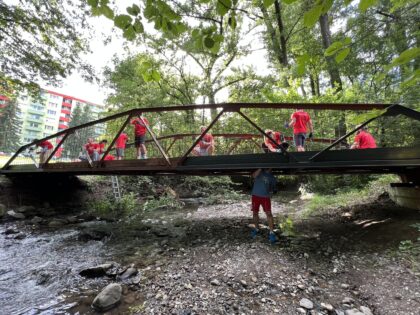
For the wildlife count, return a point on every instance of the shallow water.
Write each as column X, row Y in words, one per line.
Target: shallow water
column 38, row 272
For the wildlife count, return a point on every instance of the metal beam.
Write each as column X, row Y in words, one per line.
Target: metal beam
column 201, row 137
column 115, row 138
column 56, row 148
column 283, row 150
column 156, row 141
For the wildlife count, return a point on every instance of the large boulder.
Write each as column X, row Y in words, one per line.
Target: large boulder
column 109, row 297
column 15, row 215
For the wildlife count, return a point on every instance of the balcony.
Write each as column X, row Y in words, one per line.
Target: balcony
column 36, row 111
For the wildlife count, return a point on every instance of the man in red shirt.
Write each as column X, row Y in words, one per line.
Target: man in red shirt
column 46, row 150
column 301, row 122
column 363, row 140
column 206, row 145
column 140, row 130
column 120, row 145
column 92, row 149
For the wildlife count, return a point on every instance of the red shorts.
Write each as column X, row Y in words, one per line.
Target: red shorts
column 265, row 202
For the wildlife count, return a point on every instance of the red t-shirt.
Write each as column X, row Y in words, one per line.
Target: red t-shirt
column 139, row 127
column 277, row 137
column 101, row 147
column 121, row 141
column 109, row 158
column 206, row 141
column 302, row 119
column 46, row 144
column 365, row 140
column 90, row 147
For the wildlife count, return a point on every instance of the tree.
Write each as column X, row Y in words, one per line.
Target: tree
column 41, row 40
column 10, row 127
column 73, row 144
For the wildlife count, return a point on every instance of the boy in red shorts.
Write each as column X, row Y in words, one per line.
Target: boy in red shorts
column 264, row 184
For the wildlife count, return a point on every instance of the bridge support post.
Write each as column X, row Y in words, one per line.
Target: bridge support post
column 407, row 193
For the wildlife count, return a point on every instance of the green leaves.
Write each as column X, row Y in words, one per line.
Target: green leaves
column 312, row 16
column 122, row 21
column 133, row 10
column 148, row 72
column 268, row 3
column 301, row 63
column 366, row 4
column 223, row 6
column 406, row 56
column 340, row 49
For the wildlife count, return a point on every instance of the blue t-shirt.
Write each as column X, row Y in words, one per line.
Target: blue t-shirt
column 264, row 183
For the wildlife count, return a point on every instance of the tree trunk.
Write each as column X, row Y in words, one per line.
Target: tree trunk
column 326, row 42
column 312, row 82
column 283, row 48
column 275, row 44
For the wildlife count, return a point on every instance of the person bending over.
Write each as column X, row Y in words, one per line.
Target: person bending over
column 206, row 145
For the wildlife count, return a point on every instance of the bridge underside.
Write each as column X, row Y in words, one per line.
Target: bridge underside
column 381, row 160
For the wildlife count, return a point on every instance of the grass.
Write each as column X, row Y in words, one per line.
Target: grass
column 320, row 204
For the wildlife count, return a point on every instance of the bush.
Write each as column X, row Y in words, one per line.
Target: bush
column 331, row 184
column 111, row 209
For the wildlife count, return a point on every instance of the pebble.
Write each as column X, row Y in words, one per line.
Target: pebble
column 301, row 310
column 344, row 286
column 244, row 284
column 353, row 311
column 327, row 307
column 215, row 282
column 306, row 303
column 366, row 310
column 16, row 215
column 348, row 300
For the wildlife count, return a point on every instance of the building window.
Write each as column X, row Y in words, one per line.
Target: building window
column 52, row 112
column 32, row 124
column 49, row 127
column 54, row 97
column 33, row 116
column 52, row 105
column 67, row 100
column 36, row 107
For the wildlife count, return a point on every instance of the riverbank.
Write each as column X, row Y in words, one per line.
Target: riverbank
column 199, row 259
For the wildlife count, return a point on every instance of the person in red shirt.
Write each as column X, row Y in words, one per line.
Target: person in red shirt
column 109, row 157
column 140, row 130
column 206, row 145
column 101, row 146
column 269, row 146
column 120, row 145
column 92, row 149
column 46, row 150
column 363, row 140
column 301, row 122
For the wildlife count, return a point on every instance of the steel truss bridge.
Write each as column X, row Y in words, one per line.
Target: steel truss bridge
column 331, row 158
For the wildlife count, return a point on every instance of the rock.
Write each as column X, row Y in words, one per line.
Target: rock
column 353, row 311
column 344, row 286
column 97, row 271
column 305, row 303
column 57, row 222
column 215, row 282
column 327, row 307
column 301, row 286
column 347, row 300
column 2, row 209
column 72, row 219
column 36, row 220
column 109, row 297
column 11, row 230
column 301, row 310
column 20, row 236
column 95, row 235
column 365, row 310
column 26, row 209
column 136, row 279
column 42, row 278
column 15, row 215
column 244, row 284
column 128, row 273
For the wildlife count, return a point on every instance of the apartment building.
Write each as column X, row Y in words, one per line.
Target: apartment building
column 50, row 113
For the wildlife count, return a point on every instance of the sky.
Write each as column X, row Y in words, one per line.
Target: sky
column 102, row 55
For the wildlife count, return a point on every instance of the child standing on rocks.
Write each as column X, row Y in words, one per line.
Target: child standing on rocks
column 264, row 184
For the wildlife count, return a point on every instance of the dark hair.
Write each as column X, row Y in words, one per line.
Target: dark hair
column 103, row 141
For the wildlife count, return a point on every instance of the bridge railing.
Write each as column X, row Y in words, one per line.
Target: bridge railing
column 162, row 142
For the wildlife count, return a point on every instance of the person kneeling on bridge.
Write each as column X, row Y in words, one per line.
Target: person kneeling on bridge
column 92, row 149
column 269, row 146
column 363, row 140
column 206, row 145
column 264, row 185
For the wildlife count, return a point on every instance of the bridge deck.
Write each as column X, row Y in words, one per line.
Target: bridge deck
column 381, row 160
